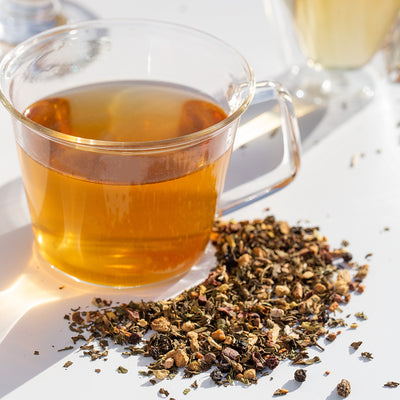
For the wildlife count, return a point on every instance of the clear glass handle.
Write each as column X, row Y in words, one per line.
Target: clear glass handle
column 267, row 121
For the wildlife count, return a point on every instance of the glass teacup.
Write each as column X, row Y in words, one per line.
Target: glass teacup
column 124, row 131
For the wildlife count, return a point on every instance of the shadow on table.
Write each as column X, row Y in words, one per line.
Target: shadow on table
column 264, row 153
column 256, row 155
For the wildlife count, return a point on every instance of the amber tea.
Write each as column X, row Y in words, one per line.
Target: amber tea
column 130, row 221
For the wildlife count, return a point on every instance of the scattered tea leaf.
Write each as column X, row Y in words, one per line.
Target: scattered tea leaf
column 391, row 384
column 356, row 345
column 361, row 315
column 343, row 388
column 163, row 392
column 122, row 370
column 66, row 348
column 354, row 160
column 310, row 361
column 281, row 392
column 247, row 315
column 194, row 385
column 67, row 364
column 367, row 354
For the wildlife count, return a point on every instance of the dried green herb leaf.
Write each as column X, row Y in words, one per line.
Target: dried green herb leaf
column 145, row 373
column 122, row 370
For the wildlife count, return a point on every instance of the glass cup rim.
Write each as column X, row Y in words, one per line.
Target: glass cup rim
column 66, row 139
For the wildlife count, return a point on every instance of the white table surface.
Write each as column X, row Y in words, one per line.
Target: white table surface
column 353, row 203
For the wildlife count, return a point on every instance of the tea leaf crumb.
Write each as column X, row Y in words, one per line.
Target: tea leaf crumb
column 361, row 315
column 367, row 354
column 281, row 392
column 354, row 160
column 391, row 384
column 194, row 385
column 163, row 392
column 122, row 370
column 66, row 348
column 67, row 364
column 356, row 345
column 343, row 388
column 145, row 373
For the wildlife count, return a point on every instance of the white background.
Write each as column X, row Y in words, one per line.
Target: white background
column 352, row 203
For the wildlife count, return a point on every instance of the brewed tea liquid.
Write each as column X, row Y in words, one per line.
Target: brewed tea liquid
column 150, row 224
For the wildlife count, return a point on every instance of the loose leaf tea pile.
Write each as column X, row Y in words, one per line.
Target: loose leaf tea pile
column 274, row 293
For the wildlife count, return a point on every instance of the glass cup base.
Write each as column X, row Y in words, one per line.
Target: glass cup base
column 312, row 84
column 323, row 97
column 42, row 262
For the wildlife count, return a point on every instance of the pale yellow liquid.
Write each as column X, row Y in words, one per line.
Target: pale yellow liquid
column 343, row 34
column 122, row 233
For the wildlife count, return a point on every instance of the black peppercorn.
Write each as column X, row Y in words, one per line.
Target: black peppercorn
column 217, row 376
column 210, row 358
column 300, row 375
column 159, row 344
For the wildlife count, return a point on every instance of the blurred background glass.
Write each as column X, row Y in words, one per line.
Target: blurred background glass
column 392, row 53
column 21, row 19
column 338, row 38
column 333, row 58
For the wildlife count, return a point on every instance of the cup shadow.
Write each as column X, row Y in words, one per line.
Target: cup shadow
column 256, row 155
column 259, row 148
